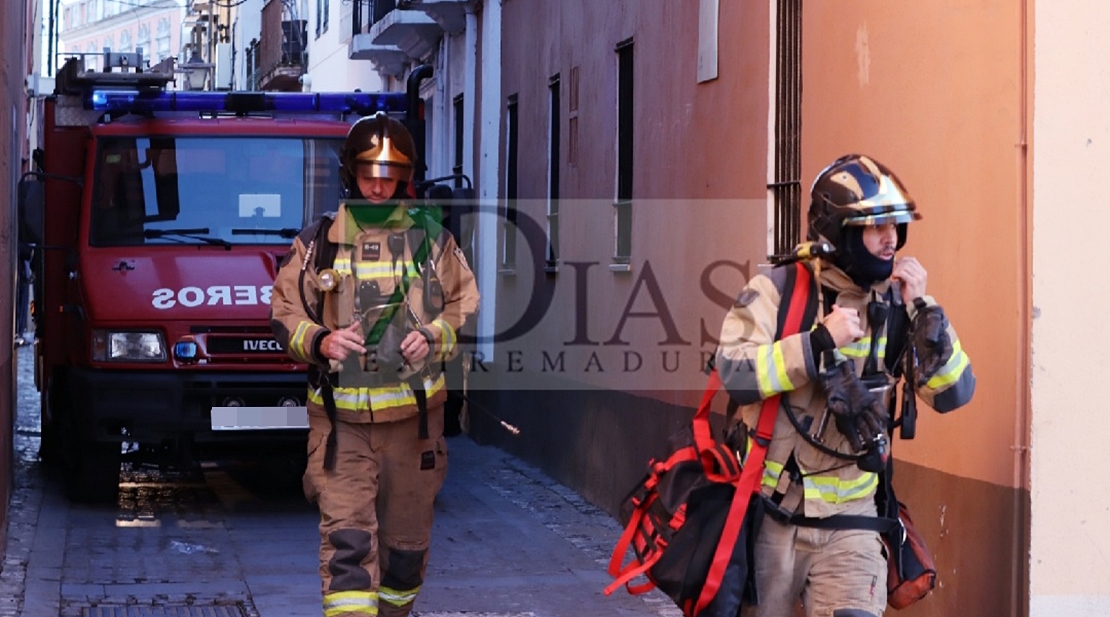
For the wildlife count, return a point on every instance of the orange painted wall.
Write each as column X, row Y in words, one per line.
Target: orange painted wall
column 938, row 98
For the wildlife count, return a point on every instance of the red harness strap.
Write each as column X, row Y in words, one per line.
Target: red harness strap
column 748, row 483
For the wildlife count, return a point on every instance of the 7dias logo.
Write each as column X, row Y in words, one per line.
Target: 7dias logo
column 217, row 295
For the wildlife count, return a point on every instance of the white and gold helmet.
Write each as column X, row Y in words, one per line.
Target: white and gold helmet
column 857, row 190
column 381, row 144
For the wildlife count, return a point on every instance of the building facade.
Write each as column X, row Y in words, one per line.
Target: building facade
column 636, row 161
column 90, row 26
column 16, row 40
column 655, row 153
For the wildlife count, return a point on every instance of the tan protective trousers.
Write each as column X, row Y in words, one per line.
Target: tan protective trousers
column 828, row 569
column 376, row 511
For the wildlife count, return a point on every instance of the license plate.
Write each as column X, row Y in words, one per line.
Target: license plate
column 258, row 418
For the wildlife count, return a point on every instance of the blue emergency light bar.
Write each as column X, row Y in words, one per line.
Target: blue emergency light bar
column 362, row 103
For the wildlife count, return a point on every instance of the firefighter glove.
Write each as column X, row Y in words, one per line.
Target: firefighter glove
column 860, row 415
column 930, row 342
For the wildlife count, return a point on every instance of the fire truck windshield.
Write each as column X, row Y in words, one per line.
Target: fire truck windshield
column 240, row 190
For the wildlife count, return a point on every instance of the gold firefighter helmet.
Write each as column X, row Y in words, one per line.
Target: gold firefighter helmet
column 858, row 190
column 382, row 145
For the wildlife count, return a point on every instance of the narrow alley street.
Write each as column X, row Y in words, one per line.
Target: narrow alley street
column 237, row 539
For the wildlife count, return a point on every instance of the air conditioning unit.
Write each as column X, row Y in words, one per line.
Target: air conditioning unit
column 221, row 79
column 37, row 85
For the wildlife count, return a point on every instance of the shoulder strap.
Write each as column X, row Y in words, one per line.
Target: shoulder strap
column 808, row 302
column 748, row 482
column 325, row 251
column 803, row 304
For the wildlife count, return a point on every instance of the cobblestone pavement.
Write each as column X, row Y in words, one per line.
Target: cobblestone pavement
column 241, row 542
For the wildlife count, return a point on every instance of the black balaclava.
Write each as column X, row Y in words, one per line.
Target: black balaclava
column 857, row 262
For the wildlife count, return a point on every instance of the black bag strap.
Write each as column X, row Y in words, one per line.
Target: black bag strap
column 880, row 524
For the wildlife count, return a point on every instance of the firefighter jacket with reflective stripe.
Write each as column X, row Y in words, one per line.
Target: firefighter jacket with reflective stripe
column 366, row 256
column 754, row 366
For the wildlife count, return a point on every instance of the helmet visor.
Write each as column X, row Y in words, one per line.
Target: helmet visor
column 384, row 160
column 383, row 169
column 883, row 218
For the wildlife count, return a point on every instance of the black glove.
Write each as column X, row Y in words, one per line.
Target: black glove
column 930, row 342
column 859, row 414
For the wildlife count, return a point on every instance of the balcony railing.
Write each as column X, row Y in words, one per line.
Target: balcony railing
column 282, row 56
column 369, row 12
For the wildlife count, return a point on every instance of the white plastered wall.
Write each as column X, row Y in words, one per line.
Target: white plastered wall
column 1070, row 540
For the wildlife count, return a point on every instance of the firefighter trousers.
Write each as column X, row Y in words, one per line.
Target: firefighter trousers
column 830, row 570
column 376, row 511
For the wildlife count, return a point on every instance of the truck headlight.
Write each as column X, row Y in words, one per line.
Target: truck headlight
column 116, row 346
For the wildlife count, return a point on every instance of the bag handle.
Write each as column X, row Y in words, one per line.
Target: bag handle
column 624, row 575
column 748, row 483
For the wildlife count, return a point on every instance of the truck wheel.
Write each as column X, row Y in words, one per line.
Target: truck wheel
column 93, row 475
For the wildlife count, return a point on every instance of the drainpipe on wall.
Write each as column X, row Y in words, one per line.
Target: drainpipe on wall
column 470, row 92
column 441, row 166
column 1022, row 482
column 488, row 168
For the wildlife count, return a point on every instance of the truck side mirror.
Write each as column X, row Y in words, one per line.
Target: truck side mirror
column 30, row 208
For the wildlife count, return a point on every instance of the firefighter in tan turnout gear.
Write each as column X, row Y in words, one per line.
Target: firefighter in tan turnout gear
column 836, row 380
column 372, row 301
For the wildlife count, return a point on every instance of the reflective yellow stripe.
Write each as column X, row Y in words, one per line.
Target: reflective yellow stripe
column 342, row 265
column 831, row 489
column 826, row 488
column 367, row 270
column 771, row 370
column 367, row 399
column 771, row 470
column 447, row 338
column 396, row 597
column 862, row 347
column 297, row 341
column 856, row 349
column 381, row 270
column 364, row 602
column 951, row 370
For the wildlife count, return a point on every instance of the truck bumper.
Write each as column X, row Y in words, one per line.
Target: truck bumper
column 202, row 407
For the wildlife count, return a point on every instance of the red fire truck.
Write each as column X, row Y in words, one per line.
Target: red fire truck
column 165, row 215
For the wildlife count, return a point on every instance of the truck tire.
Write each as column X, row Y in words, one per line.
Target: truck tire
column 88, row 470
column 93, row 473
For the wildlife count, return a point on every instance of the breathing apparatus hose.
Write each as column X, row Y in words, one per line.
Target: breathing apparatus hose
column 300, row 283
column 812, row 252
column 810, row 439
